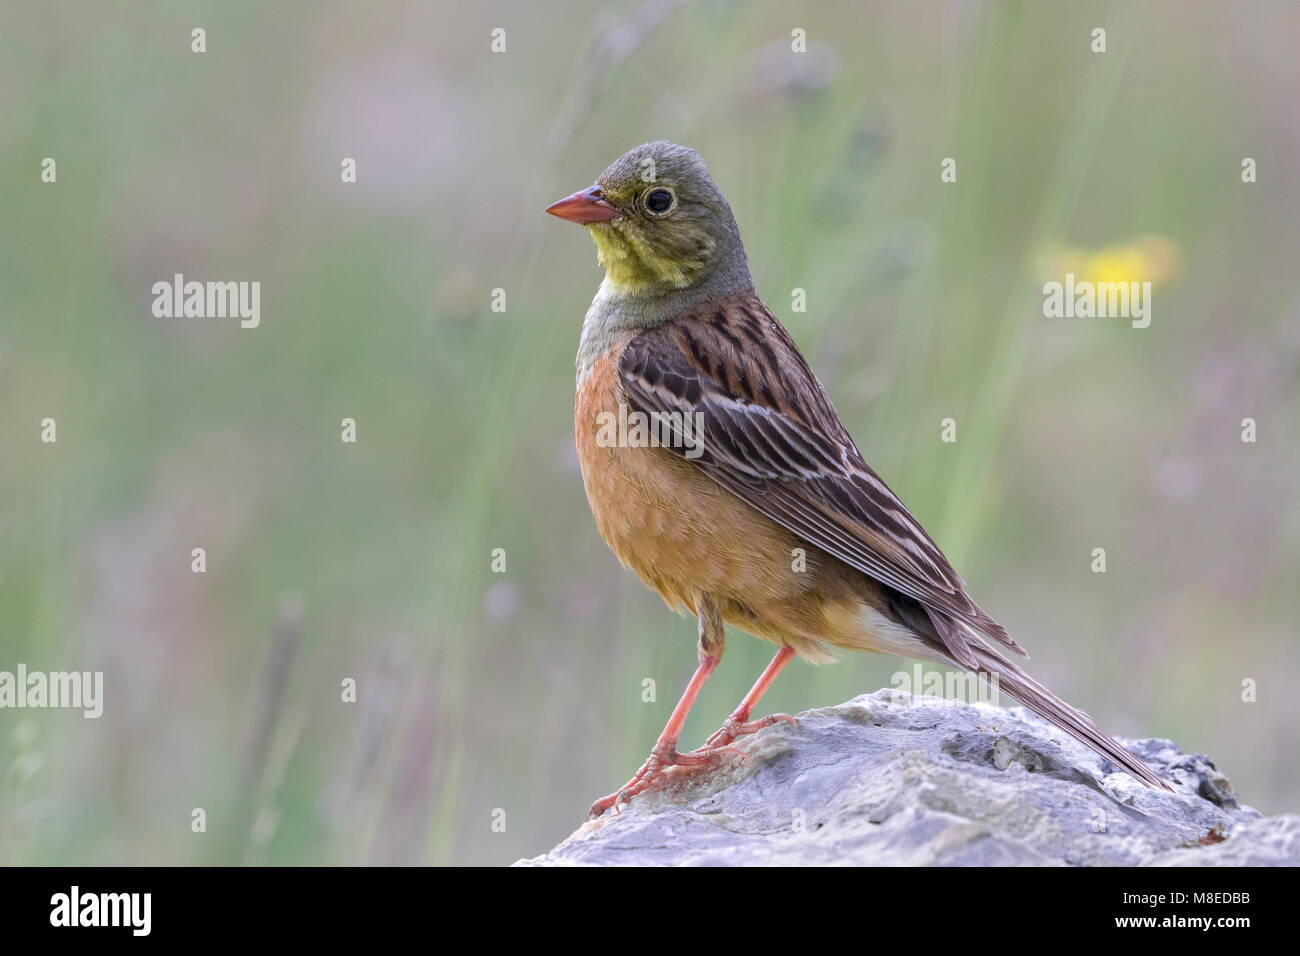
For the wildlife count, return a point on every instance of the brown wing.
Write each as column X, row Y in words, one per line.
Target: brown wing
column 771, row 436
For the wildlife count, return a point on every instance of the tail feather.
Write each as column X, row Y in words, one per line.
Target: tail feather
column 956, row 635
column 1045, row 704
column 991, row 628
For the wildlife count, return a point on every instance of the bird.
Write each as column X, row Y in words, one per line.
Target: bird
column 718, row 470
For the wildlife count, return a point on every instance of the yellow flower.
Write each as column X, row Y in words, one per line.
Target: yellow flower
column 1144, row 259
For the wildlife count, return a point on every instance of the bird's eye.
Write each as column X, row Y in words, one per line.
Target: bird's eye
column 659, row 201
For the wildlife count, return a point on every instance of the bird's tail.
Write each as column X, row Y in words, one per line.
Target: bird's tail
column 991, row 666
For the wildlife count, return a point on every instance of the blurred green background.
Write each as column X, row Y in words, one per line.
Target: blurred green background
column 521, row 692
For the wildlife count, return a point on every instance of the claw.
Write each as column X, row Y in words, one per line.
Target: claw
column 734, row 728
column 605, row 803
column 651, row 774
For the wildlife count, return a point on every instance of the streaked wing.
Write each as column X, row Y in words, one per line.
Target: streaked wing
column 771, row 436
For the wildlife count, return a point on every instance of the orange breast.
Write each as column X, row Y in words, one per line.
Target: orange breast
column 676, row 528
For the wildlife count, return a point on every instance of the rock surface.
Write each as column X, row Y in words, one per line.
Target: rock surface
column 896, row 780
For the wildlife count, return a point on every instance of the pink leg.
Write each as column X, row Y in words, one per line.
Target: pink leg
column 665, row 753
column 739, row 724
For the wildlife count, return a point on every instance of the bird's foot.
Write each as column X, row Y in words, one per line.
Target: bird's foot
column 663, row 757
column 737, row 725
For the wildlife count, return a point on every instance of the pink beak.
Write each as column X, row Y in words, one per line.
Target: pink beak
column 585, row 207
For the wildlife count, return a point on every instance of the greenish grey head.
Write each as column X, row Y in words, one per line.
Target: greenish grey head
column 660, row 223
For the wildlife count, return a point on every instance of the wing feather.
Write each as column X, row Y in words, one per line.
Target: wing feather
column 771, row 436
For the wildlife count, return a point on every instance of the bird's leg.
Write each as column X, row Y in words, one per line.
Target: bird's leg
column 739, row 724
column 664, row 755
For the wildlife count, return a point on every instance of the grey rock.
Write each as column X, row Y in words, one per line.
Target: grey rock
column 896, row 780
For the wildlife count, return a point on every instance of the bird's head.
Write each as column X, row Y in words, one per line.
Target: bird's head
column 659, row 222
